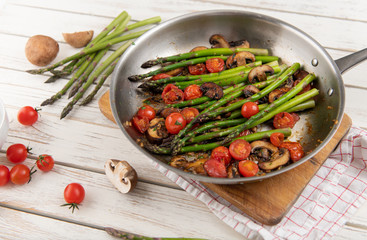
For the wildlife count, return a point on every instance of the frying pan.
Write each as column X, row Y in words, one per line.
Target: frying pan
column 183, row 33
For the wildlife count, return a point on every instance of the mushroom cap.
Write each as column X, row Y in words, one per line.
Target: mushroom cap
column 259, row 73
column 240, row 59
column 218, row 41
column 278, row 159
column 121, row 174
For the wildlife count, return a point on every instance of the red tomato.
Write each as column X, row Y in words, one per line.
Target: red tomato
column 244, row 133
column 277, row 138
column 160, row 76
column 249, row 109
column 197, row 69
column 295, row 117
column 305, row 89
column 74, row 194
column 283, row 120
column 45, row 162
column 175, row 122
column 295, row 149
column 221, row 153
column 214, row 65
column 20, row 174
column 193, row 91
column 189, row 113
column 248, row 168
column 240, row 149
column 28, row 115
column 215, row 168
column 141, row 123
column 146, row 111
column 17, row 153
column 172, row 94
column 4, row 175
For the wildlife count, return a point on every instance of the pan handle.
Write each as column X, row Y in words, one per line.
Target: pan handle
column 349, row 61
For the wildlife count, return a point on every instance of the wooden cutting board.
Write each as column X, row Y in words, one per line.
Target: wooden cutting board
column 269, row 200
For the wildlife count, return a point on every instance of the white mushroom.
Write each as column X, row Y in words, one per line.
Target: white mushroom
column 121, row 174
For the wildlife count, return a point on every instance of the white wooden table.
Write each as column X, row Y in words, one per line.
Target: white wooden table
column 83, row 141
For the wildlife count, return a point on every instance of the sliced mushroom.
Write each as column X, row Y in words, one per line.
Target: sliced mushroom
column 239, row 44
column 167, row 111
column 300, row 74
column 232, row 170
column 278, row 159
column 198, row 48
column 218, row 41
column 240, row 59
column 288, row 83
column 121, row 175
column 212, row 90
column 179, row 162
column 277, row 93
column 263, row 150
column 157, row 131
column 259, row 73
column 250, row 90
column 176, row 71
column 197, row 166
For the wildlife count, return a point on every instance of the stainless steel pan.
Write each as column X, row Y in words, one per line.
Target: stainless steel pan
column 284, row 40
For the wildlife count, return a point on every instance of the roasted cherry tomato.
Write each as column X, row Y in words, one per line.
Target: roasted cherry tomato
column 249, row 109
column 277, row 138
column 141, row 123
column 160, row 76
column 214, row 65
column 305, row 89
column 175, row 122
column 295, row 149
column 197, row 69
column 248, row 168
column 45, row 162
column 17, row 153
column 215, row 168
column 240, row 149
column 172, row 94
column 193, row 91
column 28, row 115
column 4, row 175
column 295, row 117
column 283, row 120
column 244, row 133
column 146, row 111
column 20, row 174
column 74, row 194
column 221, row 153
column 189, row 113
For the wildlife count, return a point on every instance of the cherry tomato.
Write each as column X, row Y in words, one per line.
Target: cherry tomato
column 146, row 111
column 295, row 149
column 74, row 194
column 160, row 76
column 295, row 117
column 305, row 89
column 175, row 122
column 28, row 115
column 20, row 174
column 45, row 162
column 189, row 113
column 240, row 149
column 244, row 133
column 215, row 168
column 197, row 69
column 249, row 109
column 214, row 65
column 221, row 153
column 4, row 175
column 17, row 153
column 193, row 91
column 248, row 168
column 172, row 94
column 141, row 123
column 277, row 138
column 283, row 120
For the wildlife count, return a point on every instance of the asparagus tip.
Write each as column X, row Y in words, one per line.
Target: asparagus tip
column 66, row 111
column 52, row 79
column 47, row 102
column 72, row 92
column 34, row 71
column 87, row 100
column 149, row 64
column 134, row 78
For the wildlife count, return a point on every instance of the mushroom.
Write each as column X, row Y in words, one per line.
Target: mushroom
column 259, row 73
column 157, row 130
column 240, row 59
column 176, row 71
column 212, row 90
column 78, row 39
column 277, row 159
column 277, row 93
column 198, row 48
column 250, row 90
column 239, row 44
column 263, row 150
column 232, row 170
column 300, row 74
column 167, row 111
column 179, row 162
column 121, row 175
column 218, row 41
column 197, row 166
column 288, row 83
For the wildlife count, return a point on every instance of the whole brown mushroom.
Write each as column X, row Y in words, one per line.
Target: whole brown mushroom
column 41, row 50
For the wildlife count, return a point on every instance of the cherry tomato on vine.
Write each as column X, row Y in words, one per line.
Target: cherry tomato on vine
column 221, row 153
column 295, row 149
column 4, row 175
column 283, row 120
column 248, row 168
column 20, row 174
column 277, row 138
column 193, row 91
column 160, row 76
column 141, row 123
column 17, row 153
column 45, row 162
column 28, row 115
column 249, row 109
column 74, row 194
column 214, row 65
column 175, row 122
column 189, row 113
column 172, row 94
column 215, row 168
column 146, row 111
column 240, row 149
column 197, row 69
